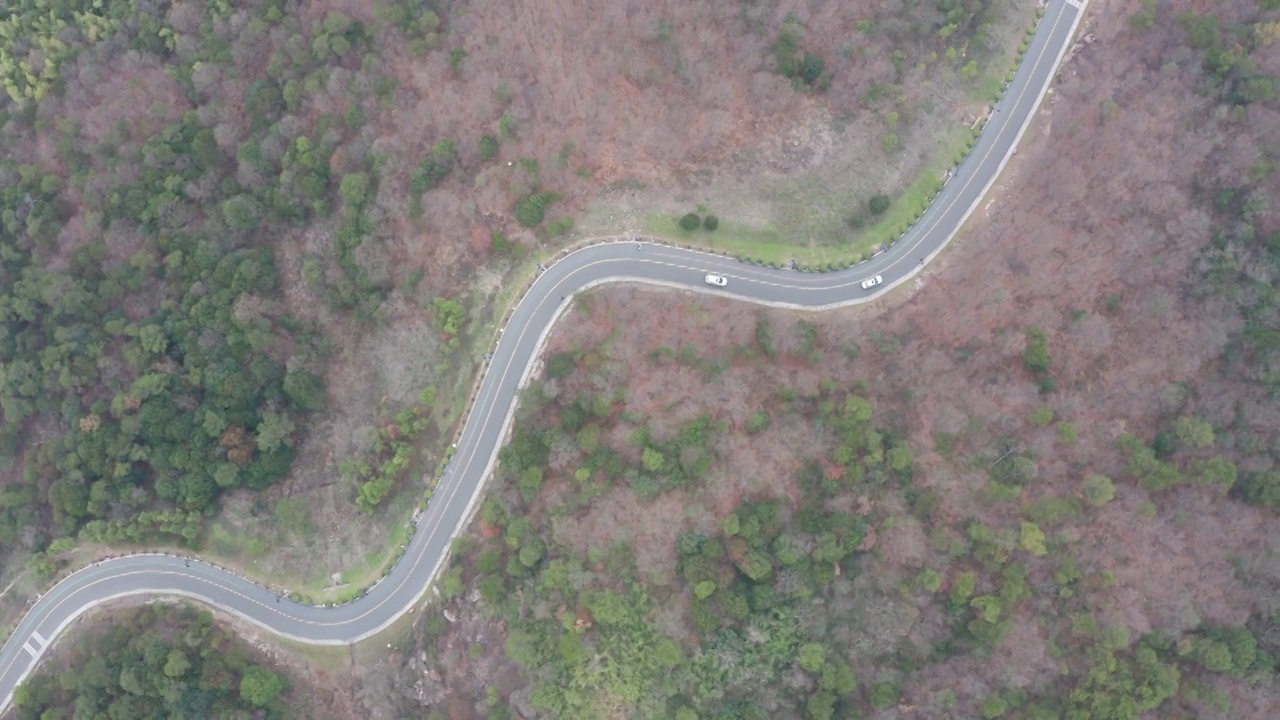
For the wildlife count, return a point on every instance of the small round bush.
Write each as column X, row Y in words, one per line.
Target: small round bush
column 878, row 204
column 690, row 222
column 488, row 147
column 711, row 222
column 530, row 211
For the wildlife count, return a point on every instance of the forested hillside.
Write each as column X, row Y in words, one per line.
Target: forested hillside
column 1041, row 483
column 158, row 663
column 216, row 218
column 146, row 365
column 249, row 254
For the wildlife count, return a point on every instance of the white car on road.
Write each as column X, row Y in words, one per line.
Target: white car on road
column 717, row 280
column 872, row 282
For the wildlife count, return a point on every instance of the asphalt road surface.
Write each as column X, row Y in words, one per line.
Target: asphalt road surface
column 622, row 259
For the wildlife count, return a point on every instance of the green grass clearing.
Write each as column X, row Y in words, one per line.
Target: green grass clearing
column 768, row 244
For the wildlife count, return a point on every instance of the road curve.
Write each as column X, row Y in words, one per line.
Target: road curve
column 490, row 419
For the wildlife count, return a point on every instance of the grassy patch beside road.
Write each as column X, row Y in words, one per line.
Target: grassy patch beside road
column 770, row 244
column 807, row 224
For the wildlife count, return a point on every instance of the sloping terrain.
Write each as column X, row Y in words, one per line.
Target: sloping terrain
column 1040, row 482
column 218, row 218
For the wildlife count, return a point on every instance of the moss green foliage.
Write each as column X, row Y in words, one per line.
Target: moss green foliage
column 710, row 223
column 34, row 45
column 1238, row 263
column 1228, row 62
column 1067, row 432
column 994, row 707
column 433, row 170
column 488, row 147
column 1042, row 416
column 885, row 695
column 354, row 189
column 560, row 226
column 758, row 422
column 690, row 222
column 260, row 686
column 773, row 587
column 450, row 315
column 294, row 516
column 150, row 337
column 805, row 69
column 1163, row 465
column 1098, row 489
column 456, row 56
column 1193, row 432
column 1144, row 18
column 533, row 208
column 1036, row 353
column 864, row 450
column 243, row 213
column 415, row 18
column 963, row 18
column 750, row 582
column 393, row 454
column 506, row 126
column 152, row 409
column 1033, row 539
column 1123, row 684
column 1261, row 489
column 337, row 36
column 155, row 662
column 560, row 365
column 499, row 242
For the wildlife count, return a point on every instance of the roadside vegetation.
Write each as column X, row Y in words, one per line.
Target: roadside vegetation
column 1007, row 498
column 158, row 662
column 196, row 239
column 649, row 551
column 869, row 230
column 820, row 219
column 212, row 236
column 205, row 247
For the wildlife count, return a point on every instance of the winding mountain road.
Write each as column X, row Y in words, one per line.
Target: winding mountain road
column 619, row 259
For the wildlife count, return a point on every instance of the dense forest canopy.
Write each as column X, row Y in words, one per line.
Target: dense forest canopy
column 771, row 611
column 156, row 662
column 145, row 364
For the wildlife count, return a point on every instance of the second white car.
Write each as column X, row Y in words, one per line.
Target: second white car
column 717, row 280
column 872, row 282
